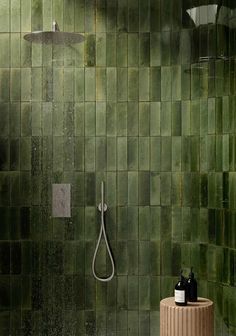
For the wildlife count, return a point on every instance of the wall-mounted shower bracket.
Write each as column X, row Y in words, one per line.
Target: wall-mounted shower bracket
column 100, row 207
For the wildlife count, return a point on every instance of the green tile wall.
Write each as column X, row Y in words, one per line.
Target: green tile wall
column 126, row 107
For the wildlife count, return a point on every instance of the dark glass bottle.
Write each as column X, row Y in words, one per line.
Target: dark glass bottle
column 181, row 291
column 192, row 287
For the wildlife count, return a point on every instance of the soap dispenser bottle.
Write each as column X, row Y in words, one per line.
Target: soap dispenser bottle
column 192, row 287
column 181, row 291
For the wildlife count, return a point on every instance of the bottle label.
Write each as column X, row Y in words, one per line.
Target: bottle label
column 180, row 296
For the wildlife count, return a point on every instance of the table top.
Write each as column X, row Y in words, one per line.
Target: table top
column 201, row 303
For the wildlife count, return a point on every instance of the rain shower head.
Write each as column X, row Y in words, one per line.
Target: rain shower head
column 54, row 37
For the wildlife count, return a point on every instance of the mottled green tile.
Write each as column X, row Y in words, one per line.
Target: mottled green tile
column 155, row 50
column 155, row 153
column 165, row 48
column 122, row 292
column 185, row 82
column 101, row 84
column 144, row 219
column 133, row 50
column 90, row 84
column 132, row 153
column 165, row 153
column 166, row 83
column 176, row 153
column 79, row 119
column 154, row 119
column 144, row 155
column 121, row 153
column 133, row 84
column 4, row 157
column 25, row 153
column 121, row 120
column 4, row 90
column 111, row 119
column 121, row 49
column 5, row 16
column 90, row 154
column 122, row 84
column 90, row 119
column 111, row 84
column 111, row 153
column 176, row 83
column 15, row 49
column 155, row 84
column 111, row 50
column 144, row 188
column 144, row 49
column 144, row 88
column 101, row 154
column 144, row 119
column 122, row 16
column 122, row 188
column 144, row 16
column 132, row 119
column 5, row 51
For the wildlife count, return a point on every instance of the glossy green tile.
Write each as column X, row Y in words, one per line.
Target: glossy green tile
column 90, row 154
column 111, row 89
column 132, row 223
column 122, row 84
column 132, row 188
column 132, row 153
column 132, row 119
column 155, row 153
column 121, row 153
column 90, row 84
column 122, row 266
column 121, row 49
column 122, row 16
column 111, row 153
column 121, row 120
column 155, row 84
column 166, row 154
column 25, row 153
column 144, row 15
column 144, row 188
column 122, row 293
column 166, row 118
column 133, row 80
column 144, row 119
column 4, row 90
column 144, row 219
column 133, row 257
column 111, row 50
column 144, row 155
column 144, row 49
column 101, row 154
column 176, row 193
column 165, row 186
column 144, row 87
column 132, row 322
column 89, row 16
column 122, row 188
column 101, row 84
column 90, row 119
column 133, row 49
column 155, row 50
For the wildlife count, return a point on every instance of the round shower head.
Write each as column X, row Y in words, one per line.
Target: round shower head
column 54, row 37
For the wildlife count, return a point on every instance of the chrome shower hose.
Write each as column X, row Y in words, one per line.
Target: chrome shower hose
column 102, row 208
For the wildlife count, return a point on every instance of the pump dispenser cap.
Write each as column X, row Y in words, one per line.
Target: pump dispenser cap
column 191, row 274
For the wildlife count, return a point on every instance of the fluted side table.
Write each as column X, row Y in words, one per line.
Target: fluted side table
column 195, row 319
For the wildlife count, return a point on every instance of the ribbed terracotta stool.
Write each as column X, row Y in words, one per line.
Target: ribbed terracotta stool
column 195, row 319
